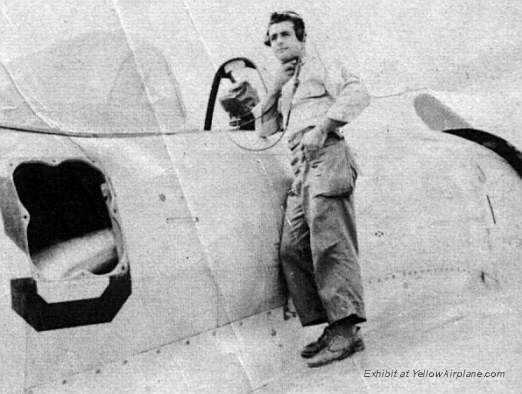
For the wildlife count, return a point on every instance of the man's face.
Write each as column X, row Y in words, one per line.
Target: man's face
column 284, row 42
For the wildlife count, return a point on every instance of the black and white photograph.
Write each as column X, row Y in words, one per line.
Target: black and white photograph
column 224, row 196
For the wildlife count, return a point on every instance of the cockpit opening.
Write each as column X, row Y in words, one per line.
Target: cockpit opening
column 241, row 94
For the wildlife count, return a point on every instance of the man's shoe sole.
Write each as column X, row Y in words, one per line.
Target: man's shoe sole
column 310, row 354
column 356, row 347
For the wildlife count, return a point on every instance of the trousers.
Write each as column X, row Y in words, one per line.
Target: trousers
column 319, row 249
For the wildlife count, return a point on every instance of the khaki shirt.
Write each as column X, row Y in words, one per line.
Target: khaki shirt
column 324, row 89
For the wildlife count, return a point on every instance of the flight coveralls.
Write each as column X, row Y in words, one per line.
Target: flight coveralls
column 319, row 250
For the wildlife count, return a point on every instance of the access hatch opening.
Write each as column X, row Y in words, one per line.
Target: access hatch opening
column 69, row 218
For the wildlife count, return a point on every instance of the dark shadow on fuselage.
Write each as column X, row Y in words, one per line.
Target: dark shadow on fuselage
column 497, row 144
column 440, row 117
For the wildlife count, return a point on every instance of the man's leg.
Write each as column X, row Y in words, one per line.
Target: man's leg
column 296, row 261
column 337, row 274
column 333, row 240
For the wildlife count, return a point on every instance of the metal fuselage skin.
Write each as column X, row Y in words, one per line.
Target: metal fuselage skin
column 200, row 222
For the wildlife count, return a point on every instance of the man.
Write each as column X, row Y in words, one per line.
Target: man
column 311, row 100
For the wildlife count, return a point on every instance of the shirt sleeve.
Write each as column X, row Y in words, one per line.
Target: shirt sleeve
column 268, row 123
column 350, row 94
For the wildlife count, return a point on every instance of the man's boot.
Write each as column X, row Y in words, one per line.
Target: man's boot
column 315, row 347
column 344, row 340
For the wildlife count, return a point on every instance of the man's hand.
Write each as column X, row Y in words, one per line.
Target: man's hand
column 312, row 141
column 316, row 137
column 283, row 75
column 270, row 117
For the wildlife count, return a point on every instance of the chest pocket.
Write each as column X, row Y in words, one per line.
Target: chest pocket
column 310, row 89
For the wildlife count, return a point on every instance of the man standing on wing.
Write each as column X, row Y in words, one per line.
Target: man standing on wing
column 312, row 100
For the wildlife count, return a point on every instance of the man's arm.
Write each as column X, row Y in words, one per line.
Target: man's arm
column 268, row 117
column 351, row 98
column 350, row 94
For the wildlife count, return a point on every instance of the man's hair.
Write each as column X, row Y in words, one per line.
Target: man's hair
column 294, row 17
